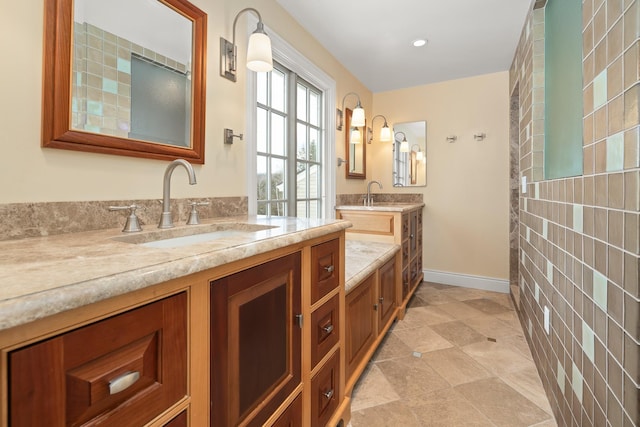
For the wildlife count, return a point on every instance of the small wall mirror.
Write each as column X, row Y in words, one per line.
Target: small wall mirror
column 356, row 148
column 410, row 154
column 125, row 77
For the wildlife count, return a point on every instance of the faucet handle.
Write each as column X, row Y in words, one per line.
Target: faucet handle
column 133, row 223
column 194, row 219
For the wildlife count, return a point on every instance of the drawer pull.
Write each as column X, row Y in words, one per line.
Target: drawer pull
column 328, row 329
column 328, row 394
column 123, row 382
column 329, row 269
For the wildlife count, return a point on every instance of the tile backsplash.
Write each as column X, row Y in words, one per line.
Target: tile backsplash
column 20, row 220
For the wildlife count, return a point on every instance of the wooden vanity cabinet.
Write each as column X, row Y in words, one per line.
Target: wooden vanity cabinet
column 255, row 341
column 370, row 309
column 402, row 227
column 124, row 370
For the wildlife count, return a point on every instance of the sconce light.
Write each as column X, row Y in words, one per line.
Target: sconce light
column 258, row 52
column 357, row 115
column 419, row 153
column 356, row 136
column 404, row 145
column 385, row 132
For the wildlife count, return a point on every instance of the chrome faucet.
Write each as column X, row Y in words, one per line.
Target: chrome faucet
column 165, row 219
column 368, row 201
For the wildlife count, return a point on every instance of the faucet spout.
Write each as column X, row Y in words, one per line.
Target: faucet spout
column 165, row 219
column 369, row 199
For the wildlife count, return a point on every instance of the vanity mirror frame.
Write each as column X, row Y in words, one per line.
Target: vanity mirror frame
column 348, row 146
column 57, row 74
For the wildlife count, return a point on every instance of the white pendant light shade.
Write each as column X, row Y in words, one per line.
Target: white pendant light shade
column 259, row 53
column 356, row 136
column 385, row 134
column 419, row 156
column 404, row 146
column 357, row 116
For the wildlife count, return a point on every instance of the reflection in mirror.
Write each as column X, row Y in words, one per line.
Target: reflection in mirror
column 355, row 148
column 409, row 159
column 136, row 79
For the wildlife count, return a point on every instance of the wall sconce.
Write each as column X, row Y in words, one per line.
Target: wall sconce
column 357, row 115
column 356, row 136
column 258, row 52
column 385, row 132
column 404, row 145
column 419, row 153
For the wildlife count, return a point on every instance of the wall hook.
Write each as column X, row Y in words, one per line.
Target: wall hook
column 228, row 136
column 452, row 138
column 479, row 136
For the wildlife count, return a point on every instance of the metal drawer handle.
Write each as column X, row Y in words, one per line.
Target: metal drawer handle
column 328, row 394
column 328, row 329
column 123, row 382
column 329, row 269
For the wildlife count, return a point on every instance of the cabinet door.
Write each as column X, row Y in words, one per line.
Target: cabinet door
column 124, row 370
column 387, row 293
column 361, row 329
column 292, row 417
column 255, row 341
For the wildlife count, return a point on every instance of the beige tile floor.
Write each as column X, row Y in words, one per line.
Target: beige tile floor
column 458, row 358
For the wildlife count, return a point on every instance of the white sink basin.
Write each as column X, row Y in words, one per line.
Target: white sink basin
column 178, row 237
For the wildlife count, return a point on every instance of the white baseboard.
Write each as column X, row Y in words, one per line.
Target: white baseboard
column 467, row 281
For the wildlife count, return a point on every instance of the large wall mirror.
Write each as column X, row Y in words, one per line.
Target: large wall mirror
column 410, row 154
column 355, row 148
column 125, row 77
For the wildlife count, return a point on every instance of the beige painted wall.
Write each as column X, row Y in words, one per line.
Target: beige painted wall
column 29, row 173
column 466, row 222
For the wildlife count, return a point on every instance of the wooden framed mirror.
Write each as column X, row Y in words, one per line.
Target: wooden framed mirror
column 410, row 165
column 355, row 148
column 114, row 85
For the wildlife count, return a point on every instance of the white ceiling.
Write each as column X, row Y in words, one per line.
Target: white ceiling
column 372, row 38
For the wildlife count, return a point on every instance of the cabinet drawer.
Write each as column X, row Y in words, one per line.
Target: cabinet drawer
column 378, row 223
column 324, row 392
column 324, row 329
column 124, row 370
column 325, row 268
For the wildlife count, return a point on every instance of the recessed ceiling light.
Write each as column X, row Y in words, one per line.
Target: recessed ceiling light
column 419, row 42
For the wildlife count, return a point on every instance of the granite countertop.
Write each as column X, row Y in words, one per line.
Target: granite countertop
column 43, row 276
column 363, row 258
column 382, row 207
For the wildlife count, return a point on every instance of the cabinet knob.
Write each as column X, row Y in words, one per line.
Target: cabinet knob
column 329, row 269
column 328, row 329
column 123, row 382
column 328, row 394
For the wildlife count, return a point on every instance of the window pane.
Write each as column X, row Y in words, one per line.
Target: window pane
column 314, row 109
column 278, row 176
column 262, row 208
column 262, row 177
column 301, row 181
column 314, row 209
column 278, row 94
column 301, row 209
column 277, row 135
column 279, row 209
column 262, row 88
column 314, row 137
column 301, row 141
column 302, row 103
column 261, row 131
column 314, row 181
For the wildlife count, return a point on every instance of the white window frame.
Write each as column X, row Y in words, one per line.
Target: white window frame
column 289, row 57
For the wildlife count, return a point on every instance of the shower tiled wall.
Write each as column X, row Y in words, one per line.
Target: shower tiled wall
column 101, row 84
column 579, row 237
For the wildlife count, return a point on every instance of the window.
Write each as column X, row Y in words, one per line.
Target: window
column 289, row 147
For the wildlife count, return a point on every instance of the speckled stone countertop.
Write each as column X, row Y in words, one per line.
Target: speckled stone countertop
column 43, row 276
column 363, row 258
column 382, row 207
